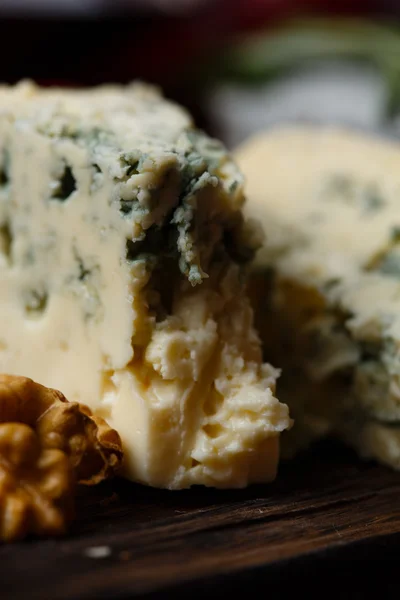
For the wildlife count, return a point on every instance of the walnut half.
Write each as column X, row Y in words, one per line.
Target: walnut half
column 47, row 445
column 36, row 485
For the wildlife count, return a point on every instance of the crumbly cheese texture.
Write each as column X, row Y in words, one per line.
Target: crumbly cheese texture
column 328, row 294
column 123, row 249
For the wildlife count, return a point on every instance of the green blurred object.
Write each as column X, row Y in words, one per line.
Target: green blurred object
column 261, row 57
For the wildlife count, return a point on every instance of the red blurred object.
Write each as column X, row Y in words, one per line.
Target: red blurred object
column 249, row 14
column 156, row 47
column 171, row 44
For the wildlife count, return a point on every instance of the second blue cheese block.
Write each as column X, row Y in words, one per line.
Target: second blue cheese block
column 329, row 200
column 123, row 270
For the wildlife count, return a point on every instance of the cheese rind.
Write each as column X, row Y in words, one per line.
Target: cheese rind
column 122, row 271
column 329, row 202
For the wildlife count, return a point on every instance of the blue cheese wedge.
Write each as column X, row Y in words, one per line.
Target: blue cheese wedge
column 329, row 312
column 123, row 255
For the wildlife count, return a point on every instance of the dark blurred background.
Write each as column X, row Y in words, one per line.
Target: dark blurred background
column 236, row 64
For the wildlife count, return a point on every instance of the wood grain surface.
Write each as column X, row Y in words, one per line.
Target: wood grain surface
column 330, row 524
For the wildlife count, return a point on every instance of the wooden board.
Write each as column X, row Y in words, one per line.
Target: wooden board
column 327, row 518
